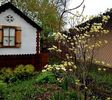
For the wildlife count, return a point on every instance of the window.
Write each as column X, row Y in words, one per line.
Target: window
column 10, row 36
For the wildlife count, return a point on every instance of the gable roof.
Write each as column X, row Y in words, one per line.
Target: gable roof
column 16, row 10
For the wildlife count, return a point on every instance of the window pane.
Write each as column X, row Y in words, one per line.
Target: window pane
column 6, row 31
column 9, row 36
column 12, row 32
column 6, row 41
column 12, row 41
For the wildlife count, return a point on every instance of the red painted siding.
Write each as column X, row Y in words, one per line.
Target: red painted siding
column 38, row 60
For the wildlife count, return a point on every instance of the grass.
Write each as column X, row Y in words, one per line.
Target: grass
column 101, row 77
column 20, row 90
column 102, row 85
column 29, row 90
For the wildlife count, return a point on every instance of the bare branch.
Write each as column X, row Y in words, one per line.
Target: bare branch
column 76, row 14
column 75, row 7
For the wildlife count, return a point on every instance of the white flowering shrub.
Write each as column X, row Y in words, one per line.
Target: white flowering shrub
column 83, row 45
column 81, row 49
column 61, row 71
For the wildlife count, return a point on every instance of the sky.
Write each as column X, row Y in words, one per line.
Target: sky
column 93, row 7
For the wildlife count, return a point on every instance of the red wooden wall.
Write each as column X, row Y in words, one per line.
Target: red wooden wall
column 38, row 60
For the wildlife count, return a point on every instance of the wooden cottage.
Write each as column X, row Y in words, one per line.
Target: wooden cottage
column 19, row 39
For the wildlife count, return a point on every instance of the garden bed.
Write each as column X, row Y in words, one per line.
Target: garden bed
column 26, row 84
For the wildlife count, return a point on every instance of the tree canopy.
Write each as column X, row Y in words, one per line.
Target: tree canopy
column 44, row 12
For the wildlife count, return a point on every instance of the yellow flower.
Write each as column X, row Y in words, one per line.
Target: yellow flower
column 49, row 68
column 105, row 18
column 99, row 69
column 108, row 65
column 69, row 64
column 59, row 79
column 55, row 47
column 103, row 62
column 57, row 68
column 43, row 70
column 75, row 66
column 97, row 61
column 69, row 38
column 86, row 87
column 59, row 50
column 108, row 98
column 65, row 64
column 70, row 70
column 63, row 69
column 77, row 82
column 104, row 69
column 72, row 43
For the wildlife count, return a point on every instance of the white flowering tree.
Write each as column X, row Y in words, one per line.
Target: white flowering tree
column 82, row 46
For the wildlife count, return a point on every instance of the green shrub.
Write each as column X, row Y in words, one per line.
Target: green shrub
column 20, row 72
column 46, row 77
column 68, row 80
column 6, row 74
column 64, row 84
column 24, row 71
column 29, row 69
column 20, row 90
column 102, row 83
column 3, row 87
column 101, row 77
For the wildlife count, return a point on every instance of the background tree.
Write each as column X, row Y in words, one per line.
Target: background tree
column 43, row 12
column 64, row 10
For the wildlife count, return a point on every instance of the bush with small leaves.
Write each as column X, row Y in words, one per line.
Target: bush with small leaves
column 24, row 71
column 6, row 74
column 29, row 69
column 46, row 77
